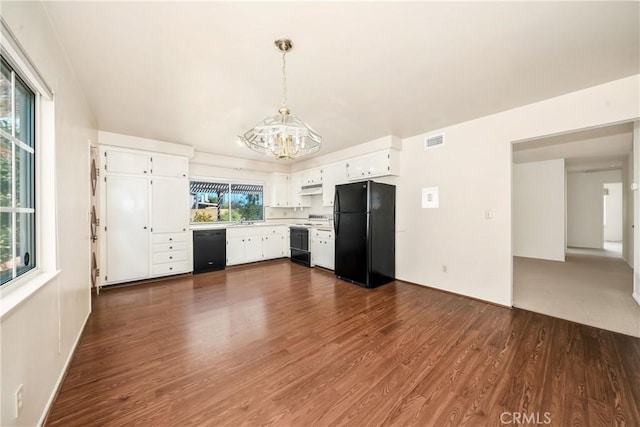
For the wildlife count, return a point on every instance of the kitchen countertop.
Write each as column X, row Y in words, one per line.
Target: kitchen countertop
column 257, row 224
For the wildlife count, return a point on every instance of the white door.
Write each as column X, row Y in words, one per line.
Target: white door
column 170, row 202
column 316, row 252
column 279, row 190
column 332, row 175
column 127, row 234
column 272, row 246
column 125, row 162
column 170, row 166
column 295, row 185
column 253, row 248
column 235, row 250
column 329, row 253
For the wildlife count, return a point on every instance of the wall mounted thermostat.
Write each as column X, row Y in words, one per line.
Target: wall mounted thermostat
column 430, row 198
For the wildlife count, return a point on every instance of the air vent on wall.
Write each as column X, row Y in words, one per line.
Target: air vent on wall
column 433, row 141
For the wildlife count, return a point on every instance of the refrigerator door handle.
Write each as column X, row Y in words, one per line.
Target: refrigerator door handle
column 336, row 221
column 336, row 201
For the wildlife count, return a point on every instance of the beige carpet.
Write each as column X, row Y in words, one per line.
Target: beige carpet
column 591, row 287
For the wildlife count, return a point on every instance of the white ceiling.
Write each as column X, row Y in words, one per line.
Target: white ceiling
column 201, row 73
column 597, row 149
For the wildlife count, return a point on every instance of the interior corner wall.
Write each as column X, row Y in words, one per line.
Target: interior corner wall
column 585, row 207
column 636, row 212
column 39, row 335
column 539, row 210
column 473, row 173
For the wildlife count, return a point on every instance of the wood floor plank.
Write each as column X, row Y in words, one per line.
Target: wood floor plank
column 280, row 344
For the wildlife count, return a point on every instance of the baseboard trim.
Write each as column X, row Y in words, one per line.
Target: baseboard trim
column 636, row 296
column 456, row 294
column 63, row 374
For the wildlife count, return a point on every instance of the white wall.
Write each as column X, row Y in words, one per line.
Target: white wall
column 585, row 207
column 38, row 336
column 539, row 210
column 627, row 211
column 613, row 209
column 473, row 171
column 636, row 215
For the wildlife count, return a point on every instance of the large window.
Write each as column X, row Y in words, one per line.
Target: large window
column 226, row 202
column 17, row 175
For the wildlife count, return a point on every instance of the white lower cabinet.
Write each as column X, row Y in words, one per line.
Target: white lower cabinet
column 169, row 253
column 256, row 243
column 323, row 248
column 273, row 246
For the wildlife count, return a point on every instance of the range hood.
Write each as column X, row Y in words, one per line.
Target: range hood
column 309, row 190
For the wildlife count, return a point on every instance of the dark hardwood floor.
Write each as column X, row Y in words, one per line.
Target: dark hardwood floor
column 279, row 344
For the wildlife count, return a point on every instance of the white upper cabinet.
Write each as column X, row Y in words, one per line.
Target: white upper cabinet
column 295, row 185
column 169, row 205
column 311, row 176
column 382, row 163
column 332, row 175
column 279, row 193
column 125, row 162
column 170, row 166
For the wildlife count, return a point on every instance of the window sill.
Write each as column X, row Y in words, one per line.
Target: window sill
column 20, row 292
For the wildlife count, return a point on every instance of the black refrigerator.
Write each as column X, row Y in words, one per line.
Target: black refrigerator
column 364, row 215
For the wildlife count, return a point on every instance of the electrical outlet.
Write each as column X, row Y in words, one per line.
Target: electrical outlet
column 19, row 400
column 444, row 268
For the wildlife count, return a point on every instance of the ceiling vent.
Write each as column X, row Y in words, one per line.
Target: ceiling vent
column 433, row 141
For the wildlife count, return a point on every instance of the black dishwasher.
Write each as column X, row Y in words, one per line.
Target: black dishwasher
column 209, row 250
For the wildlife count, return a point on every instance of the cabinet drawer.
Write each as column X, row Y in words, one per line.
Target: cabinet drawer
column 169, row 268
column 169, row 237
column 322, row 234
column 166, row 247
column 171, row 256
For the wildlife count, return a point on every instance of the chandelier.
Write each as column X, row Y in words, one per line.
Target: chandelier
column 283, row 136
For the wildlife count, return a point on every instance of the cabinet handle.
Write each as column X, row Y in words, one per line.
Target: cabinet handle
column 145, row 227
column 170, row 268
column 170, row 247
column 145, row 171
column 170, row 257
column 170, row 238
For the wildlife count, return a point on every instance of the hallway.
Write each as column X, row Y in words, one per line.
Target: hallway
column 592, row 287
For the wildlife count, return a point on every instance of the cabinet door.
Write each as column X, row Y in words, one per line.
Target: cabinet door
column 170, row 205
column 332, row 175
column 312, row 176
column 365, row 167
column 127, row 228
column 279, row 190
column 235, row 250
column 272, row 246
column 169, row 166
column 329, row 254
column 295, row 185
column 253, row 248
column 124, row 162
column 316, row 249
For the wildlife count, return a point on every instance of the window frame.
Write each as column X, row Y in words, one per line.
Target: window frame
column 228, row 182
column 16, row 145
column 19, row 289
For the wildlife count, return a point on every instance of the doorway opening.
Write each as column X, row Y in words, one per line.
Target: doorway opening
column 573, row 233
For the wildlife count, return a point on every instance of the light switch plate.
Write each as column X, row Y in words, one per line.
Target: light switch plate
column 430, row 198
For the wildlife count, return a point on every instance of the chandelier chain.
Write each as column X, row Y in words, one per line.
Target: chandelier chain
column 284, row 79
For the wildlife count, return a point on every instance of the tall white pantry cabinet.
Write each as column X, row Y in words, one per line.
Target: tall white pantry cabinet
column 145, row 215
